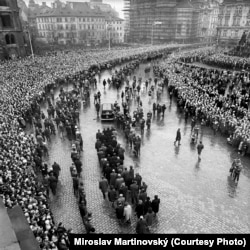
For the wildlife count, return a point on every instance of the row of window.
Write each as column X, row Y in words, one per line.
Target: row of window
column 230, row 33
column 73, row 19
column 74, row 34
column 74, row 27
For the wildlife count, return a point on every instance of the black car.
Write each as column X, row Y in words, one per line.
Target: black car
column 107, row 112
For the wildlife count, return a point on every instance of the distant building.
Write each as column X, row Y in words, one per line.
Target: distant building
column 78, row 23
column 117, row 31
column 162, row 21
column 234, row 20
column 12, row 39
column 103, row 7
column 169, row 20
column 126, row 11
column 208, row 20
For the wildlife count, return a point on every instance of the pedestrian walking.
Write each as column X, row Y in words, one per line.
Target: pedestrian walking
column 56, row 169
column 141, row 226
column 52, row 183
column 155, row 204
column 103, row 185
column 149, row 217
column 119, row 212
column 178, row 137
column 200, row 147
column 112, row 195
column 139, row 209
column 97, row 107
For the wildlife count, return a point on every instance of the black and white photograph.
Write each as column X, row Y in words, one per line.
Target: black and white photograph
column 124, row 117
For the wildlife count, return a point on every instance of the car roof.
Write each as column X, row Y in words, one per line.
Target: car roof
column 107, row 106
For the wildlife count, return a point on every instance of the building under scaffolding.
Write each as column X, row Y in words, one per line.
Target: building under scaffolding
column 162, row 21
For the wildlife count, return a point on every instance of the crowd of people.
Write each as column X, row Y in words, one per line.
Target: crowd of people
column 25, row 83
column 213, row 97
column 123, row 188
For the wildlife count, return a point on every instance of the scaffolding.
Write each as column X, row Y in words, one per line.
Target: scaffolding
column 170, row 21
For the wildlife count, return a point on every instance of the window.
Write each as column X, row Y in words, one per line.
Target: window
column 6, row 21
column 7, row 39
column 83, row 19
column 227, row 20
column 72, row 19
column 179, row 27
column 3, row 3
column 66, row 19
column 59, row 19
column 224, row 33
column 60, row 35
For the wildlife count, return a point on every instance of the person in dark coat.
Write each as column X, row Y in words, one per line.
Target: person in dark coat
column 143, row 195
column 155, row 204
column 52, row 183
column 112, row 195
column 124, row 190
column 119, row 212
column 134, row 189
column 147, row 205
column 56, row 169
column 178, row 137
column 141, row 226
column 138, row 179
column 113, row 177
column 78, row 165
column 83, row 209
column 75, row 182
column 199, row 149
column 139, row 209
column 103, row 185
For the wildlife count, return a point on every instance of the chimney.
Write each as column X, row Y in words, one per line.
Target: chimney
column 44, row 4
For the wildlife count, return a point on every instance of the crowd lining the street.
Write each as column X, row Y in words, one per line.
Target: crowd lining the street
column 25, row 83
column 217, row 98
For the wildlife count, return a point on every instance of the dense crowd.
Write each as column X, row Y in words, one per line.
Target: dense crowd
column 24, row 85
column 214, row 97
column 121, row 186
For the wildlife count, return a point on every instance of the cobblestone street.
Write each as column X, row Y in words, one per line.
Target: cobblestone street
column 196, row 197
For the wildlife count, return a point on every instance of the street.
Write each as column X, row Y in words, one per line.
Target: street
column 196, row 197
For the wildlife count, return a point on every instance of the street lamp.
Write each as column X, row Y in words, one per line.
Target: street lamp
column 31, row 47
column 152, row 35
column 109, row 27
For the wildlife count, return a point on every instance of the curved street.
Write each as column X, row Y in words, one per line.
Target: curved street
column 196, row 197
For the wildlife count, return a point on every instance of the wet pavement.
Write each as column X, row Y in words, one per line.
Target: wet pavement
column 196, row 197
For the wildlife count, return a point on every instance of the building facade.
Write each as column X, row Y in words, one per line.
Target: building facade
column 163, row 21
column 78, row 23
column 12, row 38
column 233, row 21
column 170, row 21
